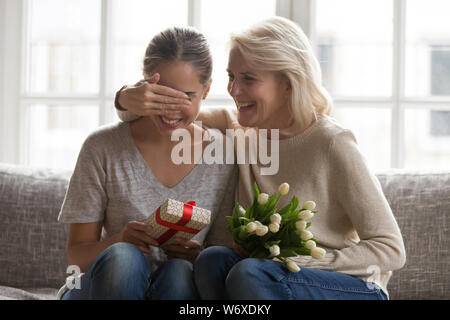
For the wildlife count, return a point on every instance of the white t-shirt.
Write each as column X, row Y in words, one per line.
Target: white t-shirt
column 112, row 183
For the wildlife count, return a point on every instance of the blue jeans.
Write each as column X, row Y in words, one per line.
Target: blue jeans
column 220, row 273
column 121, row 272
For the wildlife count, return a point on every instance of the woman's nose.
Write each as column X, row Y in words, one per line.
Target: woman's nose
column 234, row 88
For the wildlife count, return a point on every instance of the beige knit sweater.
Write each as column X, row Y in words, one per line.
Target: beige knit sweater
column 354, row 222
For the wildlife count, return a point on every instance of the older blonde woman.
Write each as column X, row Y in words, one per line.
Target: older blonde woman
column 275, row 81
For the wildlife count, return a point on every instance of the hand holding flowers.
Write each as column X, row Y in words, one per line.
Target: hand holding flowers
column 266, row 232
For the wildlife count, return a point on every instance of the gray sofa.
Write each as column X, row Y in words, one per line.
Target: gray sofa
column 33, row 258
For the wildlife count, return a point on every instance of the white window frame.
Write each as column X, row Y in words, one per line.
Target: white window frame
column 13, row 32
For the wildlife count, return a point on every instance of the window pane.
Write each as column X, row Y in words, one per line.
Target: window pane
column 63, row 48
column 372, row 128
column 427, row 135
column 57, row 132
column 354, row 40
column 219, row 19
column 427, row 48
column 135, row 22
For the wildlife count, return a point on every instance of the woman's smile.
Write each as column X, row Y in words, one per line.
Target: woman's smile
column 170, row 123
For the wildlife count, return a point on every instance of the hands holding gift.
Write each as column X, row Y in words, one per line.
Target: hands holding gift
column 135, row 232
column 263, row 232
column 182, row 249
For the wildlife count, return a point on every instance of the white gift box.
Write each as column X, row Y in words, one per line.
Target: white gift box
column 177, row 219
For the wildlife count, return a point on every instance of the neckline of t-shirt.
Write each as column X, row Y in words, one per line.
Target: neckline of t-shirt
column 144, row 172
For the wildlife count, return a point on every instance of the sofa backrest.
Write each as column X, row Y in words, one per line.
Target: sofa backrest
column 421, row 205
column 33, row 243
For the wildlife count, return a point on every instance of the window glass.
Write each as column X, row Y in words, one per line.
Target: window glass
column 63, row 47
column 218, row 20
column 354, row 46
column 134, row 23
column 427, row 48
column 427, row 74
column 372, row 129
column 427, row 135
column 56, row 133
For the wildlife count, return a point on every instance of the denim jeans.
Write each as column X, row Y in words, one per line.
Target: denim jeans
column 121, row 272
column 220, row 273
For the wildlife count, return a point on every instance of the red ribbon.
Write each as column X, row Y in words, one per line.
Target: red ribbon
column 178, row 226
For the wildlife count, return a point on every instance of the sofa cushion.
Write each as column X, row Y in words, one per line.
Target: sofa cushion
column 33, row 243
column 9, row 293
column 421, row 205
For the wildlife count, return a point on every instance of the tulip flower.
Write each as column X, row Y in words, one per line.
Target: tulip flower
column 275, row 218
column 310, row 244
column 283, row 189
column 251, row 227
column 292, row 266
column 318, row 253
column 261, row 231
column 309, row 205
column 274, row 250
column 241, row 211
column 262, row 198
column 306, row 235
column 274, row 227
column 300, row 225
column 306, row 215
column 267, row 231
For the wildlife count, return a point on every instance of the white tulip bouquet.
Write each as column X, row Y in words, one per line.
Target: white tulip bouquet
column 266, row 233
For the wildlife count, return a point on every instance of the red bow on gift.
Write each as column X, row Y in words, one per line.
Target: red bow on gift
column 178, row 226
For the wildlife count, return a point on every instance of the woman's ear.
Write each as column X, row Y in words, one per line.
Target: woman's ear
column 154, row 78
column 285, row 81
column 206, row 90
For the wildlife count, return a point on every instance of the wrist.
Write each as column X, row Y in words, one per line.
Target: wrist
column 114, row 239
column 116, row 100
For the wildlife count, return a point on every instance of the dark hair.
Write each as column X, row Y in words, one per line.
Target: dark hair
column 180, row 44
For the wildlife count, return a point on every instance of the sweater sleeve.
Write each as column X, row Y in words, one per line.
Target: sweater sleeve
column 126, row 115
column 359, row 193
column 218, row 118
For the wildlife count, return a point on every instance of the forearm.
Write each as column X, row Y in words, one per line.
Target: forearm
column 218, row 118
column 84, row 254
column 126, row 116
column 384, row 254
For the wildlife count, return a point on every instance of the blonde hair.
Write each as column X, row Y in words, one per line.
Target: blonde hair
column 279, row 45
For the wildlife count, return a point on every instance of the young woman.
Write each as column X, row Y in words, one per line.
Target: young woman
column 124, row 173
column 275, row 81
